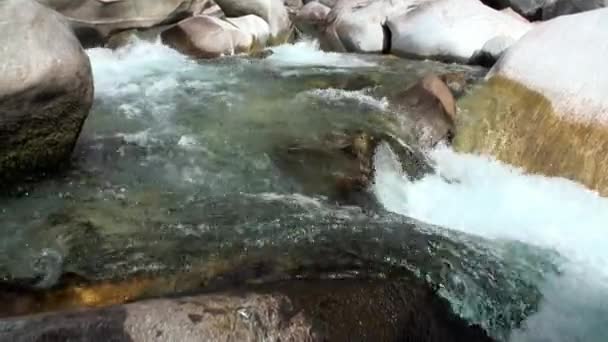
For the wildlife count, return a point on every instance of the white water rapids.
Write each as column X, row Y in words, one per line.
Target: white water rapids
column 483, row 197
column 496, row 201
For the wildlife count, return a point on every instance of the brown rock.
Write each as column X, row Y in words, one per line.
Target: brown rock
column 430, row 106
column 206, row 37
column 299, row 310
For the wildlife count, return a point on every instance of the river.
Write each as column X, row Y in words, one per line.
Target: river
column 176, row 171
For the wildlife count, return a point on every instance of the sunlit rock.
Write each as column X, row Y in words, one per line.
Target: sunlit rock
column 549, row 119
column 208, row 37
column 272, row 11
column 450, row 30
column 94, row 20
column 46, row 89
column 359, row 26
column 253, row 25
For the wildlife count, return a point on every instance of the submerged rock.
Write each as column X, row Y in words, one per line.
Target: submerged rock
column 550, row 120
column 459, row 30
column 340, row 164
column 322, row 310
column 95, row 20
column 46, row 89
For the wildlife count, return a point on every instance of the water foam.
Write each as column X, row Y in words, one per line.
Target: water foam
column 116, row 72
column 481, row 196
column 332, row 95
column 308, row 54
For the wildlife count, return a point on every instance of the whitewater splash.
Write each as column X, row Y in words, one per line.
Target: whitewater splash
column 308, row 54
column 481, row 196
column 333, row 96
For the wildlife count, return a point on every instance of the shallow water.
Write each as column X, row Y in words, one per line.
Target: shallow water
column 176, row 171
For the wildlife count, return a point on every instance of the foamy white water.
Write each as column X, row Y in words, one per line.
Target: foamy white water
column 307, row 53
column 333, row 96
column 115, row 71
column 484, row 197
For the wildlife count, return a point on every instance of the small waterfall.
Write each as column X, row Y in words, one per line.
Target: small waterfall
column 483, row 197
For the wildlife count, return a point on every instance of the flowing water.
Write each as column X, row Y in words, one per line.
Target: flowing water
column 178, row 169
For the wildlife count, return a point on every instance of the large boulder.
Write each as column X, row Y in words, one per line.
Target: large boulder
column 272, row 11
column 549, row 117
column 311, row 18
column 304, row 310
column 94, row 20
column 46, row 88
column 359, row 26
column 452, row 30
column 208, row 37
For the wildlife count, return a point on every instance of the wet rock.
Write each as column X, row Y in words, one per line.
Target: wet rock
column 132, row 36
column 46, row 89
column 554, row 118
column 340, row 164
column 460, row 29
column 431, row 109
column 311, row 18
column 94, row 20
column 206, row 37
column 458, row 82
column 272, row 11
column 335, row 310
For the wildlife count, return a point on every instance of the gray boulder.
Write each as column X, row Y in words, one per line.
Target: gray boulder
column 94, row 20
column 311, row 18
column 453, row 30
column 359, row 25
column 272, row 11
column 46, row 89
